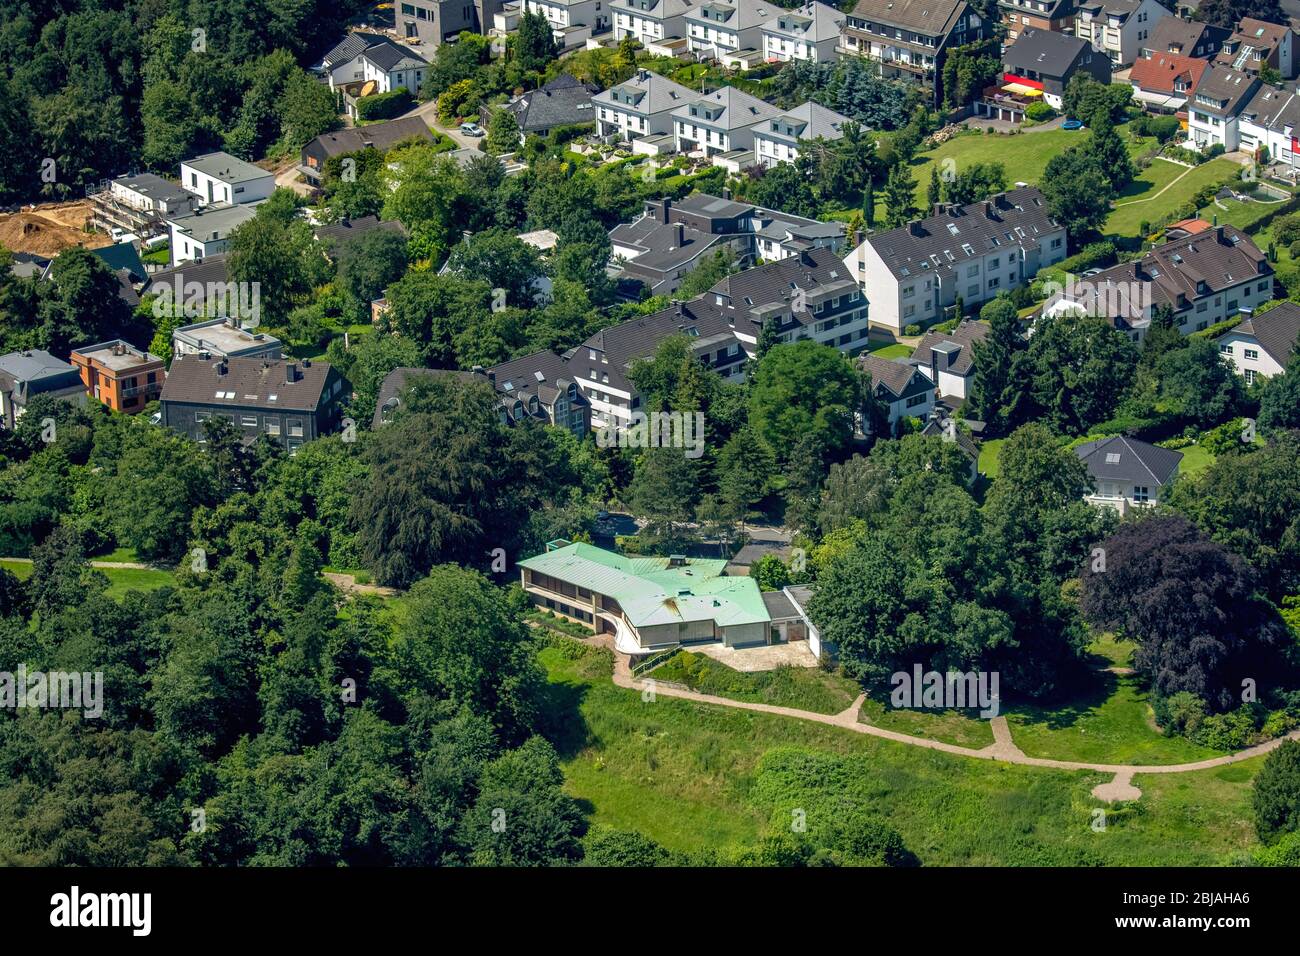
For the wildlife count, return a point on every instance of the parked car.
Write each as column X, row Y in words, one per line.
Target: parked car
column 472, row 129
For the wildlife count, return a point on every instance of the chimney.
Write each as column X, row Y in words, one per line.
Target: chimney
column 914, row 227
column 679, row 234
column 290, row 372
column 940, row 208
column 221, row 368
column 1218, row 234
column 664, row 205
column 204, row 354
column 476, row 369
column 936, row 363
column 988, row 209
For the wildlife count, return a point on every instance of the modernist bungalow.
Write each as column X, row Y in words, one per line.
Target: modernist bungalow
column 649, row 604
column 1261, row 346
column 206, row 233
column 1126, row 472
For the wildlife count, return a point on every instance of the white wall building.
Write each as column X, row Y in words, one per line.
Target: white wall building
column 222, row 178
column 719, row 27
column 649, row 21
column 810, row 32
column 1261, row 345
column 777, row 140
column 1118, row 28
column 639, row 107
column 720, row 122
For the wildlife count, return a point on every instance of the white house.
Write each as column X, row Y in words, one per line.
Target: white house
column 649, row 21
column 903, row 388
column 1271, row 119
column 718, row 28
column 1118, row 28
column 639, row 107
column 810, row 32
column 573, row 22
column 948, row 358
column 207, row 233
column 1261, row 345
column 914, row 273
column 363, row 57
column 222, row 178
column 1214, row 110
column 777, row 140
column 720, row 122
column 1128, row 473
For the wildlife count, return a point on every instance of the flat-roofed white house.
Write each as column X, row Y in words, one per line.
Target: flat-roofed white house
column 649, row 604
column 722, row 29
column 810, row 32
column 221, row 178
column 1260, row 346
column 572, row 22
column 777, row 140
column 912, row 274
column 639, row 107
column 720, row 122
column 649, row 21
column 1128, row 473
column 224, row 337
column 207, row 233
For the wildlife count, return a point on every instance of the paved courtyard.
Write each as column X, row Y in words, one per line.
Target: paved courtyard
column 766, row 658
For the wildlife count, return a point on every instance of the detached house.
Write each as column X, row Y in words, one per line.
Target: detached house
column 1163, row 82
column 1128, row 473
column 777, row 140
column 903, row 388
column 377, row 136
column 639, row 107
column 369, row 58
column 435, row 22
column 1185, row 38
column 1270, row 120
column 206, row 233
column 1261, row 345
column 948, row 358
column 32, row 372
column 722, row 124
column 810, row 32
column 649, row 21
column 910, row 39
column 1021, row 15
column 1216, row 105
column 288, row 401
column 1257, row 44
column 730, row 30
column 222, row 178
column 123, row 377
column 1205, row 278
column 912, row 274
column 564, row 101
column 1118, row 28
column 1039, row 66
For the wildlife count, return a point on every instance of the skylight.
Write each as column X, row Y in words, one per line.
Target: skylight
column 1112, row 458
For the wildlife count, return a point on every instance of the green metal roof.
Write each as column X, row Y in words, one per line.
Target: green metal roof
column 651, row 592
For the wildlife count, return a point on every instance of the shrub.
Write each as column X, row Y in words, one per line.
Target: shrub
column 912, row 329
column 1216, row 150
column 1038, row 112
column 1230, row 731
column 1276, row 797
column 1184, row 713
column 384, row 105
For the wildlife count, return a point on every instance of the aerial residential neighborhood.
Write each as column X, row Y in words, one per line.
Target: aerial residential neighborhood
column 663, row 434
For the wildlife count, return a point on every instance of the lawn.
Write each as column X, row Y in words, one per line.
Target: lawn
column 1151, row 205
column 804, row 688
column 892, row 351
column 989, row 464
column 120, row 580
column 695, row 776
column 965, row 729
column 1195, row 459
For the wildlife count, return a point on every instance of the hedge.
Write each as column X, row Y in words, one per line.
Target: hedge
column 381, row 106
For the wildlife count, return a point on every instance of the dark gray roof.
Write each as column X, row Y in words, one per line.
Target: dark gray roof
column 123, row 256
column 543, row 374
column 399, row 379
column 352, row 46
column 564, row 101
column 155, row 187
column 1056, row 9
column 964, row 336
column 664, row 247
column 27, row 265
column 1044, row 51
column 213, row 269
column 1127, row 459
column 380, row 136
column 227, row 168
column 779, row 607
column 1013, row 219
column 927, row 17
column 1229, row 89
column 934, row 427
column 899, row 377
column 751, row 296
column 247, row 383
column 1276, row 330
column 389, row 55
column 36, row 370
column 1176, row 35
column 1273, row 108
column 349, row 229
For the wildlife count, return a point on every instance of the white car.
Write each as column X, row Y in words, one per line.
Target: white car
column 472, row 129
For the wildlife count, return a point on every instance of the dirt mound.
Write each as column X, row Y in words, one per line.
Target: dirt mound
column 49, row 229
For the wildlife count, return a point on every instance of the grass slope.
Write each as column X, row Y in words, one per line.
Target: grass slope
column 805, row 688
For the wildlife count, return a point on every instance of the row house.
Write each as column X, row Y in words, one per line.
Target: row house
column 1216, row 105
column 1118, row 28
column 640, row 107
column 1262, row 346
column 1256, row 45
column 910, row 38
column 1020, row 15
column 1205, row 278
column 572, row 22
column 721, row 123
column 914, row 273
column 810, row 32
column 1163, row 82
column 1185, row 38
column 1270, row 120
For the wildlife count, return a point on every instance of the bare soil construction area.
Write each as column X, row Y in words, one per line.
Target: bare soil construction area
column 49, row 228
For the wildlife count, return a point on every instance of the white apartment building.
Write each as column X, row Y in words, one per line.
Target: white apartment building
column 649, row 21
column 810, row 32
column 1118, row 28
column 719, row 27
column 1215, row 106
column 777, row 140
column 639, row 107
column 221, row 178
column 720, row 122
column 572, row 21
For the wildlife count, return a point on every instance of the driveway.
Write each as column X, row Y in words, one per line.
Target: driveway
column 429, row 113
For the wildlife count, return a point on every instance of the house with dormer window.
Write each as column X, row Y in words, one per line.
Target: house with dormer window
column 649, row 21
column 1216, row 105
column 810, row 32
column 639, row 107
column 777, row 140
column 721, row 124
column 1127, row 473
column 730, row 30
column 1118, row 28
column 1257, row 44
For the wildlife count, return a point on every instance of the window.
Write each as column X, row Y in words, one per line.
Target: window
column 916, row 400
column 273, row 426
column 1225, row 349
column 1141, row 493
column 1250, row 353
column 248, row 421
column 295, row 427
